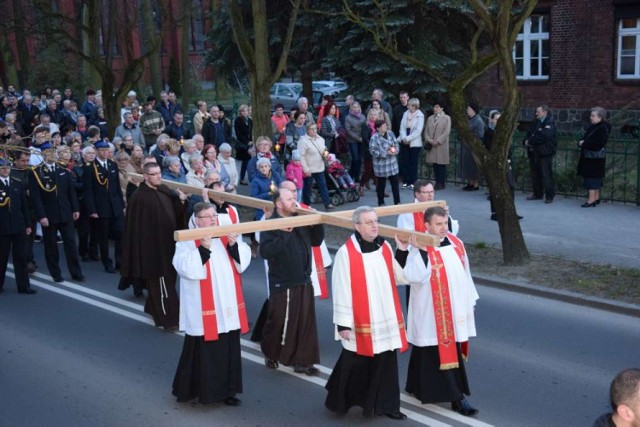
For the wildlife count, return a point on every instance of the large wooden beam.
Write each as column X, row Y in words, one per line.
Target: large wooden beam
column 247, row 227
column 339, row 219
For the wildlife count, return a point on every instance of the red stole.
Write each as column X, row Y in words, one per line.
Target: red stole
column 320, row 269
column 418, row 222
column 209, row 321
column 442, row 306
column 360, row 300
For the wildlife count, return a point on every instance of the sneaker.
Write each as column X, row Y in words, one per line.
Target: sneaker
column 405, row 185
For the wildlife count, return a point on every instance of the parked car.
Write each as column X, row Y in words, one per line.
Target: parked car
column 286, row 94
column 330, row 87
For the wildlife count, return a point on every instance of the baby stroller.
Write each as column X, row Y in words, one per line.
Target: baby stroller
column 337, row 194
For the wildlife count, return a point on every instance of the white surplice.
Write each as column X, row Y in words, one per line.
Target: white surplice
column 384, row 322
column 405, row 221
column 421, row 324
column 188, row 264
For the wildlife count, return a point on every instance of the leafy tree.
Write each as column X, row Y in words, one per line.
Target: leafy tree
column 252, row 39
column 460, row 57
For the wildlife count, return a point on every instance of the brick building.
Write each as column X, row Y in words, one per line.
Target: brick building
column 573, row 55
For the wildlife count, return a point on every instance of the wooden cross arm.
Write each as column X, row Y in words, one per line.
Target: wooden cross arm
column 247, row 227
column 235, row 199
column 388, row 231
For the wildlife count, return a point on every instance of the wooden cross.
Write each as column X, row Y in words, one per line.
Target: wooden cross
column 306, row 217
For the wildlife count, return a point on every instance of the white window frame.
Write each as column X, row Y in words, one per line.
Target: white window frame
column 527, row 38
column 628, row 32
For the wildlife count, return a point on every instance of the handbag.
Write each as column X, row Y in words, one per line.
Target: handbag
column 594, row 154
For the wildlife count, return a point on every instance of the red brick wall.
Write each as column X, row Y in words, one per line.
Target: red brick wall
column 583, row 43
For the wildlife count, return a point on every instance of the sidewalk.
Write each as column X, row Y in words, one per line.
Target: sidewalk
column 606, row 234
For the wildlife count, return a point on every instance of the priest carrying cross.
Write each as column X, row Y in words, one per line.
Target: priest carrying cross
column 212, row 313
column 369, row 321
column 441, row 317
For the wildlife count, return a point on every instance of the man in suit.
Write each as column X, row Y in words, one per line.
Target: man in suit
column 14, row 228
column 56, row 205
column 104, row 201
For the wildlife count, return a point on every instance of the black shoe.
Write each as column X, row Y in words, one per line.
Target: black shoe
column 79, row 278
column 463, row 407
column 533, row 197
column 27, row 291
column 439, row 187
column 85, row 258
column 58, row 279
column 171, row 328
column 137, row 292
column 598, row 202
column 589, row 205
column 243, row 183
column 520, row 217
column 110, row 270
column 271, row 364
column 494, row 217
column 232, row 401
column 59, row 239
column 307, row 370
column 398, row 416
column 548, row 201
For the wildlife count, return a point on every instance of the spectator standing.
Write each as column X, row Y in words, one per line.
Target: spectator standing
column 469, row 169
column 243, row 127
column 411, row 128
column 591, row 165
column 541, row 143
column 313, row 153
column 166, row 108
column 384, row 151
column 151, row 124
column 353, row 125
column 436, row 138
column 201, row 116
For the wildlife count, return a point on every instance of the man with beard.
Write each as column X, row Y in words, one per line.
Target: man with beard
column 290, row 333
column 154, row 212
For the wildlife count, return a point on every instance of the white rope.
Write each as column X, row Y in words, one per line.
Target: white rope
column 163, row 293
column 286, row 321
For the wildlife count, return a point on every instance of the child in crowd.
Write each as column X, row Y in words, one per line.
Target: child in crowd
column 337, row 171
column 294, row 172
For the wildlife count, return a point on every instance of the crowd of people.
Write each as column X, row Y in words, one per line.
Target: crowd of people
column 63, row 179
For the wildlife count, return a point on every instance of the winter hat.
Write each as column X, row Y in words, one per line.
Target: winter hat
column 295, row 155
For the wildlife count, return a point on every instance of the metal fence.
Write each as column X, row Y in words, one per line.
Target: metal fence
column 621, row 182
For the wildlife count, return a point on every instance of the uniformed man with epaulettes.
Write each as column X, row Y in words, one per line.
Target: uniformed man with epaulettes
column 56, row 205
column 104, row 201
column 14, row 228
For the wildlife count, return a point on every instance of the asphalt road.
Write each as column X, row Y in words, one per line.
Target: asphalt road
column 88, row 356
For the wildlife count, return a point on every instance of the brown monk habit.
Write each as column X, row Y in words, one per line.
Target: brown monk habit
column 152, row 217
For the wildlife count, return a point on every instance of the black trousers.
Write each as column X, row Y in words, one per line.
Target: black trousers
column 542, row 176
column 440, row 172
column 51, row 253
column 110, row 228
column 88, row 231
column 17, row 245
column 395, row 189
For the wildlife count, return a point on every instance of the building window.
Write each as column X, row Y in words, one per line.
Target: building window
column 629, row 48
column 531, row 52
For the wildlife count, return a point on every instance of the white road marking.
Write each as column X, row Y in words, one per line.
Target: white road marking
column 422, row 419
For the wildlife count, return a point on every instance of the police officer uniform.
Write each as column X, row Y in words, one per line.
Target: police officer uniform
column 14, row 222
column 54, row 199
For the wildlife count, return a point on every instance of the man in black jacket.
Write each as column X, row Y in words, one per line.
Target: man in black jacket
column 56, row 205
column 14, row 228
column 541, row 146
column 104, row 201
column 290, row 334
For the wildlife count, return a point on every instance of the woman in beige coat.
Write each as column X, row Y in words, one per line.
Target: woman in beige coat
column 436, row 135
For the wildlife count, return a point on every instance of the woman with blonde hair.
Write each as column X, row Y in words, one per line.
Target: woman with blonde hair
column 411, row 128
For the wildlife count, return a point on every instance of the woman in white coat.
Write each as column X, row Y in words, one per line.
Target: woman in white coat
column 410, row 137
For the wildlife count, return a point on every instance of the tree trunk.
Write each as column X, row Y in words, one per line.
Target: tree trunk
column 150, row 39
column 89, row 47
column 261, row 103
column 10, row 76
column 21, row 45
column 185, row 69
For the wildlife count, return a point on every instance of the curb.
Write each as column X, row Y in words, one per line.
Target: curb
column 549, row 293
